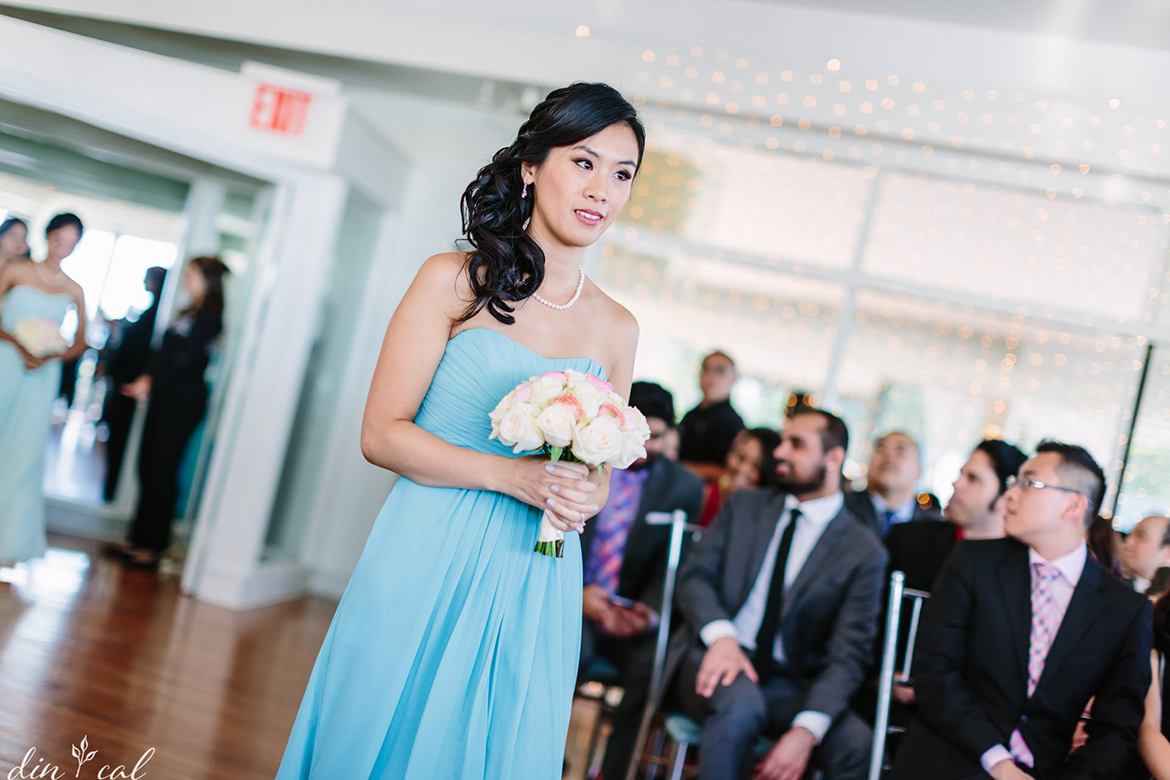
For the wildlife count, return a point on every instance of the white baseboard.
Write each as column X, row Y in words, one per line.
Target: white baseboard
column 272, row 583
column 328, row 584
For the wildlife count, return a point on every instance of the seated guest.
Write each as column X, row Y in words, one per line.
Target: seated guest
column 750, row 464
column 1021, row 633
column 1146, row 550
column 670, row 443
column 707, row 431
column 1152, row 738
column 780, row 599
column 890, row 496
column 626, row 558
column 919, row 550
column 975, row 511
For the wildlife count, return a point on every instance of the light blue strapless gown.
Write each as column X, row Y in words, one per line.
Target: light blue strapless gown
column 454, row 650
column 26, row 403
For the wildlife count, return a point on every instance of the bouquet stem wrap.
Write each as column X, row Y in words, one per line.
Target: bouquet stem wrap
column 549, row 540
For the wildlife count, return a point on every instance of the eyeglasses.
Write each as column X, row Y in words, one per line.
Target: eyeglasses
column 1027, row 484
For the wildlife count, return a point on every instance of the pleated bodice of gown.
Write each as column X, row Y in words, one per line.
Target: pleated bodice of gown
column 26, row 404
column 454, row 650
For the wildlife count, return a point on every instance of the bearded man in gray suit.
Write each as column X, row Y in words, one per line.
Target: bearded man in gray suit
column 781, row 599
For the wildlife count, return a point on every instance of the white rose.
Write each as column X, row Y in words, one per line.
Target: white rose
column 547, row 387
column 498, row 413
column 633, row 448
column 556, row 424
column 518, row 429
column 598, row 441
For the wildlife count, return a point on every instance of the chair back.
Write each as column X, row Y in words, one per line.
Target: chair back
column 677, row 520
column 899, row 594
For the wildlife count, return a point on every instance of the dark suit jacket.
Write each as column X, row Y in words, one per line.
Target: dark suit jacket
column 668, row 487
column 860, row 505
column 829, row 616
column 919, row 550
column 971, row 672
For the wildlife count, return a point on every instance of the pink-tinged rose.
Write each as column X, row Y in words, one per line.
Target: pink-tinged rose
column 567, row 399
column 559, row 376
column 630, row 419
column 611, row 411
column 524, row 393
column 599, row 383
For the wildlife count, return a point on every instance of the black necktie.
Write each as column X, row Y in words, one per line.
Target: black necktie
column 766, row 638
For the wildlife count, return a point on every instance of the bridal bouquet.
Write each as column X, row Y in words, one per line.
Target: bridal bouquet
column 40, row 337
column 569, row 416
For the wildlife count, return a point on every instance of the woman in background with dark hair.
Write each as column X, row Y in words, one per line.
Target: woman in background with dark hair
column 13, row 241
column 34, row 299
column 453, row 652
column 751, row 463
column 174, row 385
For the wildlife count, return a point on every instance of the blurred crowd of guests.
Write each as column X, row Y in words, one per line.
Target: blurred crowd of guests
column 164, row 372
column 1039, row 652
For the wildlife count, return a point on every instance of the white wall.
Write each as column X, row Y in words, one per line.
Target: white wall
column 447, row 144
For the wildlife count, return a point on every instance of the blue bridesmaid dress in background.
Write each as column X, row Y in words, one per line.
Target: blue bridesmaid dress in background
column 26, row 404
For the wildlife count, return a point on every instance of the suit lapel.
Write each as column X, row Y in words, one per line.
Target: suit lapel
column 864, row 510
column 1015, row 590
column 765, row 527
column 1082, row 611
column 818, row 560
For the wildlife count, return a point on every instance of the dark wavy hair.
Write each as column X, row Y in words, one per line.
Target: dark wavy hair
column 65, row 220
column 213, row 270
column 12, row 222
column 506, row 266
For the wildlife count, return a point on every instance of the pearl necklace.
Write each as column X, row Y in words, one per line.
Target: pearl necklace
column 56, row 279
column 576, row 295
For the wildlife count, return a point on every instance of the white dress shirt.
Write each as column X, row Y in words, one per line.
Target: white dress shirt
column 815, row 516
column 1071, row 567
column 903, row 513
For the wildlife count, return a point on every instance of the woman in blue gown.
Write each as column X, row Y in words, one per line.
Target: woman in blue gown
column 34, row 298
column 453, row 652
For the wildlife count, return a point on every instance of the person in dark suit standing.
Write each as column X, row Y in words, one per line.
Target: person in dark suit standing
column 1020, row 633
column 178, row 394
column 707, row 431
column 124, row 361
column 625, row 569
column 780, row 599
column 890, row 496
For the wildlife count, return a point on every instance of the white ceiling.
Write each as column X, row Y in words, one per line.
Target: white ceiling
column 1126, row 22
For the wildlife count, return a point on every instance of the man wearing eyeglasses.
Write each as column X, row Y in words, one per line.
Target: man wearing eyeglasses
column 1020, row 633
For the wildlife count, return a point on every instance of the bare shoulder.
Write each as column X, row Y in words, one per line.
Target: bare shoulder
column 443, row 277
column 622, row 325
column 443, row 270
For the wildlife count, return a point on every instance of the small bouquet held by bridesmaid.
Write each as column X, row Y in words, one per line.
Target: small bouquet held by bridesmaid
column 40, row 337
column 570, row 416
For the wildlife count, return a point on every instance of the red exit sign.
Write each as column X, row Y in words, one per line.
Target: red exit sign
column 280, row 109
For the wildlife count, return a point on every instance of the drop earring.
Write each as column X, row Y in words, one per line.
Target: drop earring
column 524, row 192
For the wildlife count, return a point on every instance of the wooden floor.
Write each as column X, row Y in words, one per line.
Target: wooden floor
column 122, row 659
